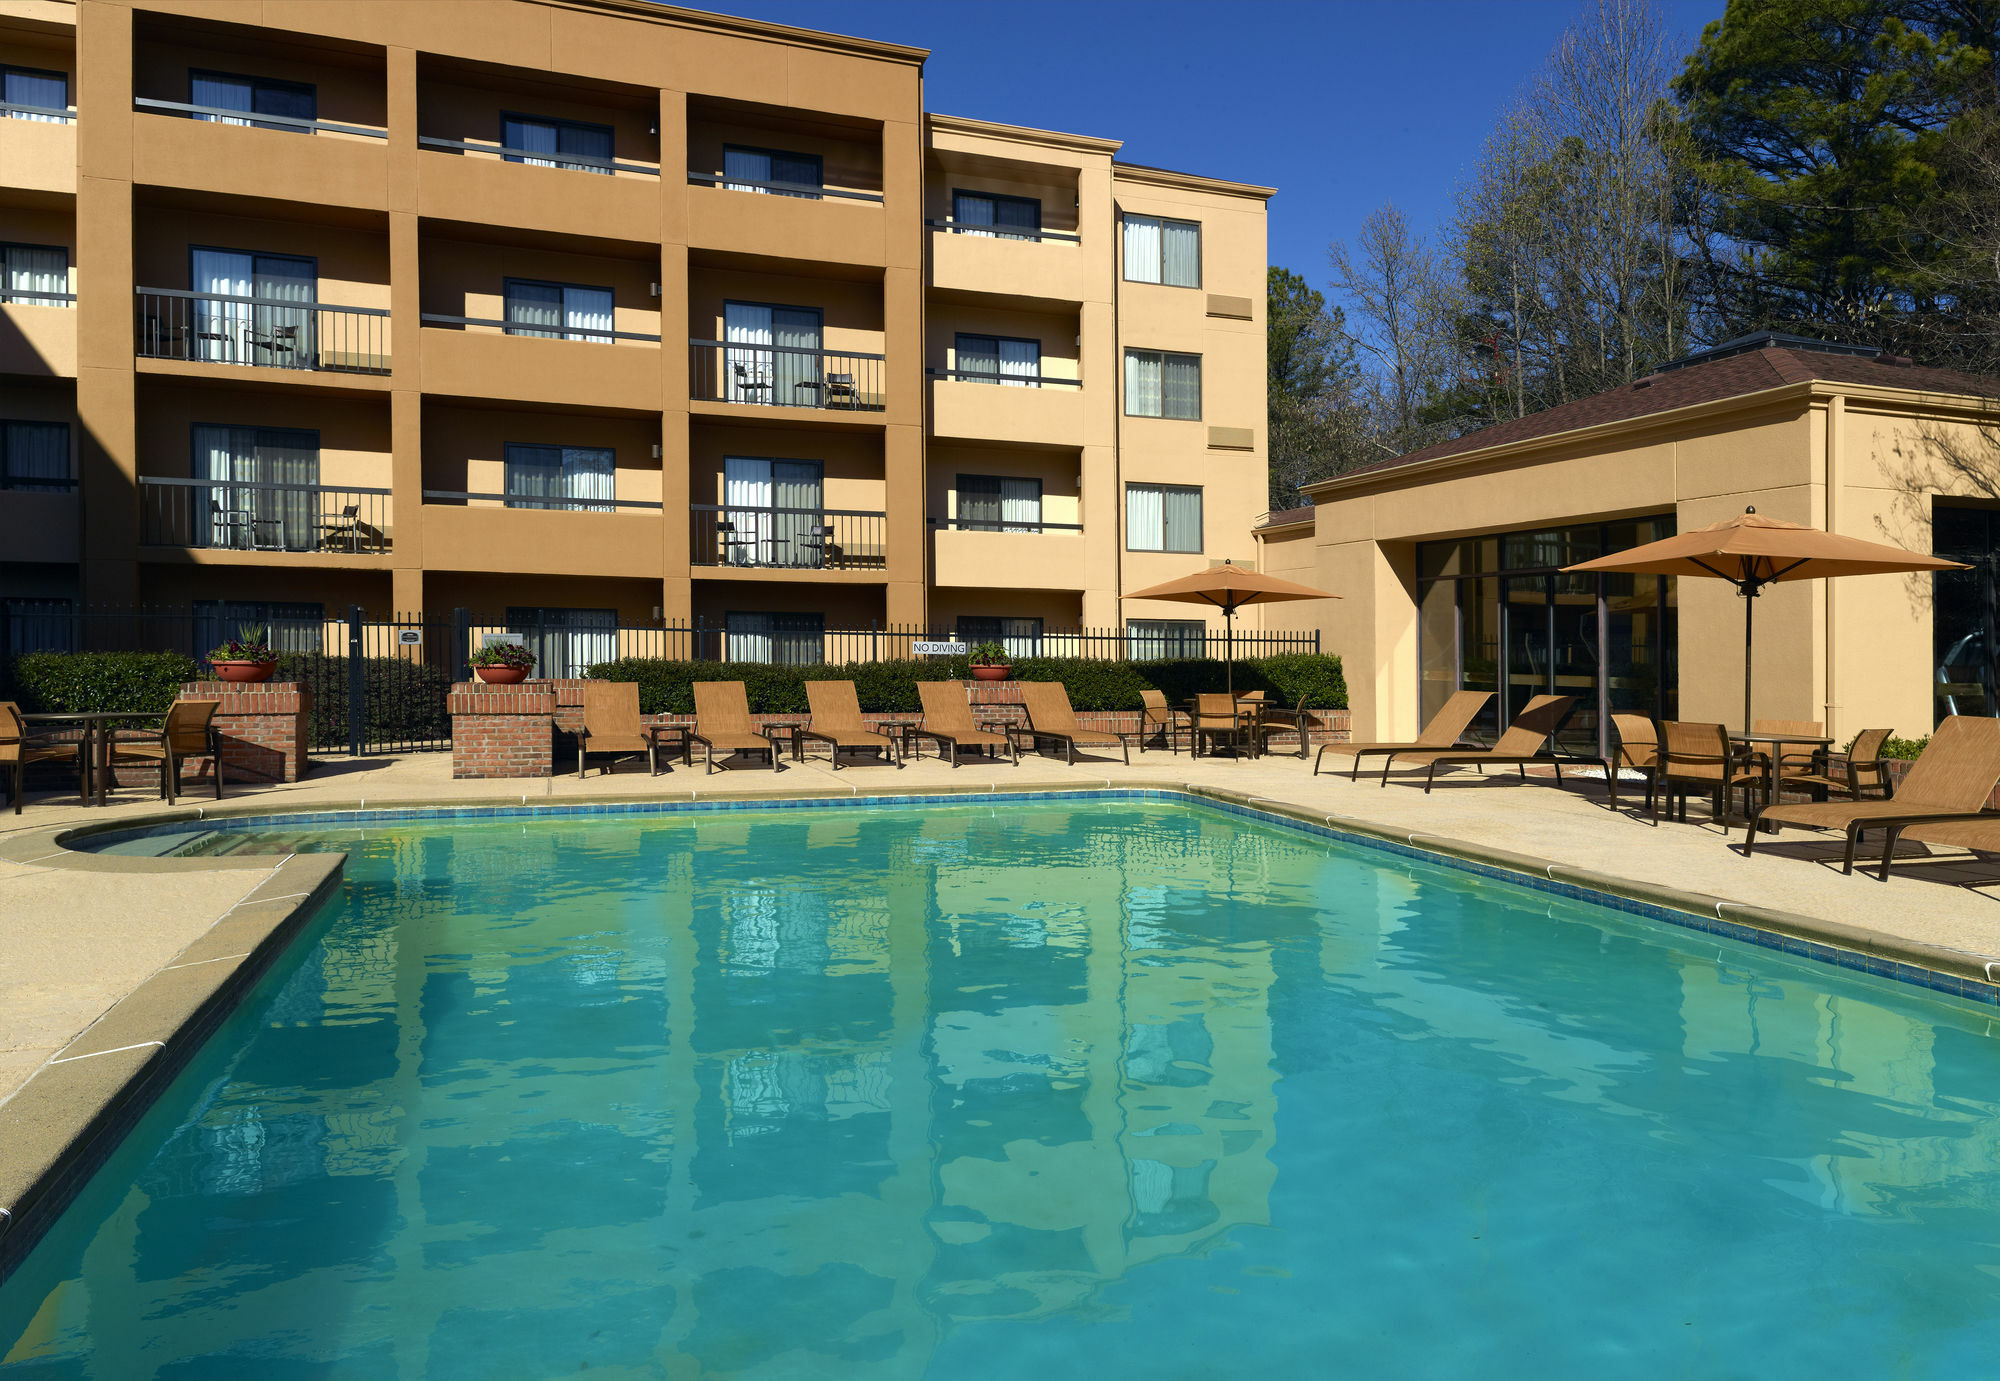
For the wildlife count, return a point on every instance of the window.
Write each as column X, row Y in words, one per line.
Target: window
column 289, row 627
column 30, row 86
column 1160, row 251
column 1158, row 384
column 37, row 275
column 558, row 311
column 1162, row 517
column 1021, row 637
column 37, row 625
column 773, row 512
column 772, row 172
column 556, row 143
column 575, row 477
column 1004, row 360
column 784, row 639
column 239, row 332
column 566, row 642
column 1966, row 678
column 999, row 503
column 253, row 96
column 773, row 354
column 266, row 497
column 35, row 455
column 986, row 213
column 1154, row 639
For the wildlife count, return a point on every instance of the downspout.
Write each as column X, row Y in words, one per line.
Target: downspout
column 1836, row 417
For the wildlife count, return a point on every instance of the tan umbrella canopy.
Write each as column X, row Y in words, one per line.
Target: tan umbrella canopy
column 1229, row 588
column 1752, row 551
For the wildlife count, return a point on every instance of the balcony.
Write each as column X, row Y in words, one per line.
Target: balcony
column 1013, row 556
column 794, row 541
column 38, row 334
column 38, row 148
column 471, row 357
column 261, row 332
column 38, row 521
column 1042, row 265
column 1036, row 410
column 232, row 153
column 782, row 376
column 575, row 195
column 841, row 227
column 499, row 532
column 265, row 519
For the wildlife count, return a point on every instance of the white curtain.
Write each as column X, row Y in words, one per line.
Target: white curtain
column 1180, row 518
column 532, row 306
column 589, row 478
column 531, row 137
column 749, row 637
column 1021, row 505
column 587, row 311
column 222, row 328
column 1180, row 254
column 283, row 336
column 33, row 270
column 223, row 93
column 1144, row 521
column 592, row 638
column 1020, row 363
column 217, row 509
column 47, row 90
column 1180, row 386
column 1142, row 249
column 1142, row 384
column 747, row 324
column 746, row 500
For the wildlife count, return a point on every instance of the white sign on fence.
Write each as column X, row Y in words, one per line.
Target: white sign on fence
column 409, row 637
column 502, row 640
column 939, row 649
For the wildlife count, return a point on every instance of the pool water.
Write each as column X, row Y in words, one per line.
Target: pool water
column 1056, row 1089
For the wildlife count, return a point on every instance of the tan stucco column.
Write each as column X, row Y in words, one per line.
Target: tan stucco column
column 676, row 586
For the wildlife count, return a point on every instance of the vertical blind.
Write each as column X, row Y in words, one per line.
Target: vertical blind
column 987, row 214
column 544, row 142
column 34, row 274
column 571, row 477
column 1162, row 251
column 566, row 642
column 996, row 503
column 261, row 333
column 1162, row 385
column 24, row 86
column 775, row 510
column 745, row 169
column 244, row 510
column 288, row 626
column 1153, row 639
column 773, row 352
column 1162, row 517
column 786, row 639
column 34, row 455
column 1011, row 362
column 558, row 311
column 253, row 96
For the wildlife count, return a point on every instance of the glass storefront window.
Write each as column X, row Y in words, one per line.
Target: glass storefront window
column 1963, row 616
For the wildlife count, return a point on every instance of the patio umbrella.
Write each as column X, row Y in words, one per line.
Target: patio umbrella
column 1229, row 588
column 1753, row 551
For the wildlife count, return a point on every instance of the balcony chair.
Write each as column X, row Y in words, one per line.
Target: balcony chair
column 346, row 528
column 746, row 385
column 840, row 391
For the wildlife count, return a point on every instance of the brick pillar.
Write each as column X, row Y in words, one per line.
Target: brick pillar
column 263, row 728
column 502, row 731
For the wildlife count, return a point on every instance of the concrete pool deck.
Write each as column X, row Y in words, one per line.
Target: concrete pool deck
column 113, row 968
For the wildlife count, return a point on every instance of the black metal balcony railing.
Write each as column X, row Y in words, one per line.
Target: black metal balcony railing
column 784, row 376
column 803, row 191
column 821, row 539
column 248, row 516
column 1000, row 525
column 540, row 158
column 1011, row 232
column 527, row 328
column 988, row 376
column 460, row 499
column 31, row 297
column 226, row 115
column 210, row 328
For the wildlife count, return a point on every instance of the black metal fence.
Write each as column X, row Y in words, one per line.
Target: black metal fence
column 275, row 333
column 784, row 376
column 248, row 516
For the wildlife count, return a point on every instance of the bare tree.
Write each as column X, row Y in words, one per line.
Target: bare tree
column 1398, row 292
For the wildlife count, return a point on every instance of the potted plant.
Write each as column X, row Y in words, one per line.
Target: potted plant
column 991, row 663
column 246, row 658
column 503, row 664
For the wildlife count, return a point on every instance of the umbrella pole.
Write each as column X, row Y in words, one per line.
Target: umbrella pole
column 1229, row 649
column 1749, row 607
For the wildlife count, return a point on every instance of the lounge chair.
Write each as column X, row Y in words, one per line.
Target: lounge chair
column 1950, row 782
column 1638, row 751
column 18, row 752
column 722, row 720
column 1701, row 756
column 948, row 723
column 836, row 722
column 1447, row 726
column 1050, row 716
column 1219, row 716
column 611, row 724
column 1157, row 716
column 189, row 732
column 1525, row 741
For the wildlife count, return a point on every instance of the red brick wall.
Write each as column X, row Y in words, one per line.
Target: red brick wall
column 263, row 729
column 502, row 731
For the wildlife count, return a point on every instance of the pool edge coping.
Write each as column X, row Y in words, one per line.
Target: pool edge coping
column 93, row 1090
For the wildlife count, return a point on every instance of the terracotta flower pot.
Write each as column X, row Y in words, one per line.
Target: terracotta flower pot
column 244, row 673
column 991, row 673
column 502, row 676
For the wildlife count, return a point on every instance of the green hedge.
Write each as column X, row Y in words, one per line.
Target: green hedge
column 666, row 687
column 96, row 682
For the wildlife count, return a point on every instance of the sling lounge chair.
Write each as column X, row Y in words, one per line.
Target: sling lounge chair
column 836, row 722
column 1526, row 741
column 1950, row 782
column 1050, row 716
column 1447, row 726
column 948, row 723
column 611, row 724
column 722, row 720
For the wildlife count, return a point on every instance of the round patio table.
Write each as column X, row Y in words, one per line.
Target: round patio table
column 1774, row 740
column 97, row 727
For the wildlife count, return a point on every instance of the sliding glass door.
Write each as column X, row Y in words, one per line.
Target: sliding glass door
column 773, row 354
column 266, row 331
column 265, row 494
column 774, row 511
column 573, row 477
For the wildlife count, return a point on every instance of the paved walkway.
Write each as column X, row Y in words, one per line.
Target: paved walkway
column 75, row 940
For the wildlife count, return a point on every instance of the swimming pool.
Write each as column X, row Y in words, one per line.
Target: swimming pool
column 1118, row 1087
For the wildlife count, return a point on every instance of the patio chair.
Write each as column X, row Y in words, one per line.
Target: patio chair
column 1951, row 781
column 1702, row 757
column 1864, row 757
column 611, row 725
column 1157, row 716
column 1638, row 751
column 836, row 722
column 1446, row 728
column 189, row 732
column 19, row 751
column 722, row 720
column 1786, row 761
column 1276, row 719
column 948, row 723
column 1219, row 717
column 1526, row 741
column 1050, row 716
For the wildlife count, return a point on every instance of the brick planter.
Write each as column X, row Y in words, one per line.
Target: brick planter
column 502, row 731
column 263, row 729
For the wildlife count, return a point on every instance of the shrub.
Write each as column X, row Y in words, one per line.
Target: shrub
column 405, row 699
column 98, row 682
column 666, row 687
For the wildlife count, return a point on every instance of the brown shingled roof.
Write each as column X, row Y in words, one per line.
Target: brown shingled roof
column 1705, row 382
column 1286, row 515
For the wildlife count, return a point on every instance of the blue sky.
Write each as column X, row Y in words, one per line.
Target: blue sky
column 1341, row 105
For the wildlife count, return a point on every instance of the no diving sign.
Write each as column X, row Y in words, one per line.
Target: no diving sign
column 938, row 649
